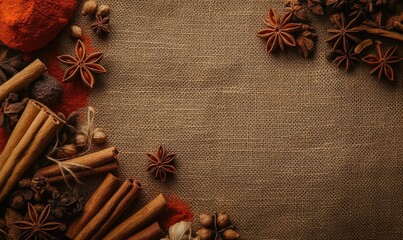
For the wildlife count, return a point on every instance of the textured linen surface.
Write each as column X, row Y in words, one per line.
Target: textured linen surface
column 290, row 148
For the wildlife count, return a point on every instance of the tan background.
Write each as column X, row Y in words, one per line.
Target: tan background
column 290, row 148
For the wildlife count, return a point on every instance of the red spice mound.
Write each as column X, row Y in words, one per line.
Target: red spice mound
column 28, row 25
column 177, row 211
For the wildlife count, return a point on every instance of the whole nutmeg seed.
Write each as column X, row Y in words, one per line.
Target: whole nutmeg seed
column 99, row 136
column 230, row 234
column 204, row 234
column 81, row 140
column 75, row 31
column 205, row 220
column 47, row 90
column 17, row 202
column 68, row 150
column 222, row 220
column 104, row 10
column 89, row 7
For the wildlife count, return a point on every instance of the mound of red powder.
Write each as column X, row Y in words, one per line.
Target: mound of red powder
column 28, row 25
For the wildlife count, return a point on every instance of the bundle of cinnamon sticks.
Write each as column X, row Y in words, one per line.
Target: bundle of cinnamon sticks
column 33, row 132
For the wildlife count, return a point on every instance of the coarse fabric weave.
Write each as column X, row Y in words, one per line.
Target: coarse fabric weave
column 291, row 148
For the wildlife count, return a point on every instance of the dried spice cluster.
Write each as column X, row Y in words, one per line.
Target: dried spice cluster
column 359, row 25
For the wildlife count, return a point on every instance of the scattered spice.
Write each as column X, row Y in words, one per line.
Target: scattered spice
column 216, row 226
column 99, row 136
column 38, row 226
column 177, row 210
column 83, row 65
column 47, row 90
column 104, row 10
column 161, row 164
column 101, row 26
column 89, row 7
column 67, row 204
column 75, row 31
column 382, row 62
column 11, row 111
column 10, row 63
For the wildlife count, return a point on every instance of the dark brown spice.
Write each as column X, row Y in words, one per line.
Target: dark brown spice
column 11, row 111
column 344, row 33
column 10, row 64
column 345, row 59
column 101, row 26
column 216, row 226
column 161, row 164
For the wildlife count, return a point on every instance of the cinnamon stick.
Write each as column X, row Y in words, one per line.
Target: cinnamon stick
column 112, row 210
column 382, row 32
column 152, row 232
column 109, row 167
column 22, row 79
column 92, row 160
column 26, row 119
column 98, row 199
column 41, row 140
column 145, row 216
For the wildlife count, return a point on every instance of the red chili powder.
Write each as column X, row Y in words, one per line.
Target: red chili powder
column 177, row 211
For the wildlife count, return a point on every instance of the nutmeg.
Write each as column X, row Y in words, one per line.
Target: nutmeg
column 81, row 140
column 47, row 90
column 222, row 220
column 205, row 220
column 230, row 234
column 68, row 150
column 99, row 136
column 89, row 7
column 75, row 31
column 204, row 234
column 104, row 10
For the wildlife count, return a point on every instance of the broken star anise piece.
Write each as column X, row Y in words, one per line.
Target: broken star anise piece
column 11, row 110
column 305, row 43
column 344, row 32
column 38, row 226
column 101, row 26
column 298, row 9
column 83, row 65
column 161, row 164
column 382, row 62
column 316, row 7
column 278, row 32
column 10, row 64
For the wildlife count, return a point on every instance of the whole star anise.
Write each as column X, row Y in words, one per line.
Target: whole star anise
column 278, row 32
column 83, row 65
column 38, row 226
column 101, row 25
column 345, row 59
column 298, row 9
column 161, row 164
column 344, row 32
column 382, row 62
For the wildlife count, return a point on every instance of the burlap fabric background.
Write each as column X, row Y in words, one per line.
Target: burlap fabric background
column 290, row 148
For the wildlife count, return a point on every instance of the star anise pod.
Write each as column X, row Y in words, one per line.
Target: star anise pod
column 298, row 9
column 38, row 226
column 344, row 32
column 11, row 110
column 345, row 59
column 305, row 43
column 161, row 164
column 382, row 62
column 10, row 64
column 316, row 7
column 83, row 65
column 101, row 26
column 278, row 32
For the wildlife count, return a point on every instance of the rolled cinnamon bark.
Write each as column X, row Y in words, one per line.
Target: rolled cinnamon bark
column 382, row 32
column 109, row 167
column 22, row 79
column 33, row 142
column 26, row 119
column 112, row 210
column 152, row 232
column 92, row 160
column 100, row 197
column 145, row 216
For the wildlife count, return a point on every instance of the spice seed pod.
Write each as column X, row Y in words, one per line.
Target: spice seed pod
column 75, row 31
column 204, row 234
column 104, row 10
column 81, row 140
column 230, row 234
column 89, row 7
column 99, row 136
column 222, row 220
column 205, row 220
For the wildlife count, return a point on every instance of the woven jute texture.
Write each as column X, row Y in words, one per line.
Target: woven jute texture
column 290, row 148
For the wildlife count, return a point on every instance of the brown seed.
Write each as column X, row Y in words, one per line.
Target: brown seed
column 75, row 31
column 99, row 136
column 204, row 234
column 222, row 220
column 81, row 140
column 89, row 7
column 230, row 234
column 104, row 10
column 205, row 220
column 68, row 150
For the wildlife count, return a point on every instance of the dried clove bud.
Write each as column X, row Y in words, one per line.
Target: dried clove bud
column 75, row 31
column 230, row 234
column 204, row 234
column 104, row 10
column 99, row 136
column 89, row 7
column 205, row 220
column 222, row 220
